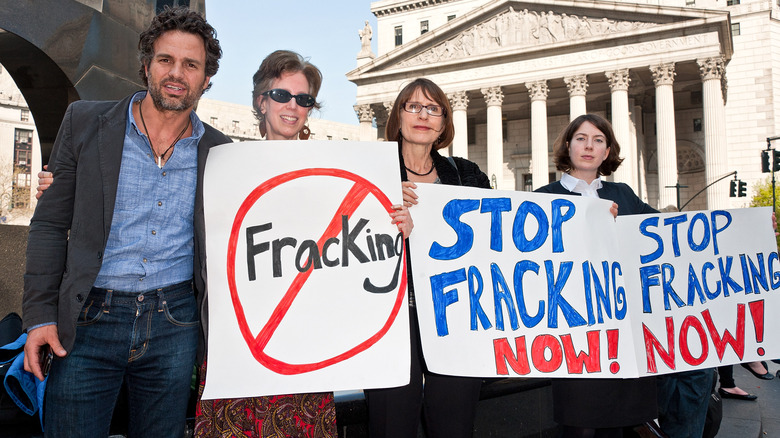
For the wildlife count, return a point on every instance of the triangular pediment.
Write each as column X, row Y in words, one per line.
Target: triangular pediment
column 535, row 28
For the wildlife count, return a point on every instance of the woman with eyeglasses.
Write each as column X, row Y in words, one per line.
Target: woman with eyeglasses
column 421, row 123
column 285, row 92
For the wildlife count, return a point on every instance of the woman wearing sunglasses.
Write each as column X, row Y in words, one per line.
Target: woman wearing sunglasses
column 421, row 123
column 285, row 91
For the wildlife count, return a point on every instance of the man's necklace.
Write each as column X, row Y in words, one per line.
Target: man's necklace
column 149, row 137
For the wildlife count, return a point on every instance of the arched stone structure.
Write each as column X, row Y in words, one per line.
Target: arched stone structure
column 60, row 51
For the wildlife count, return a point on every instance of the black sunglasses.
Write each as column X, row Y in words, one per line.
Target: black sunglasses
column 284, row 96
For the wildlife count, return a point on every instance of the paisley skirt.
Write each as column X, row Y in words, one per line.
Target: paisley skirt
column 294, row 415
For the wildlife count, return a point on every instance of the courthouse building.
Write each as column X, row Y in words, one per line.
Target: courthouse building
column 689, row 85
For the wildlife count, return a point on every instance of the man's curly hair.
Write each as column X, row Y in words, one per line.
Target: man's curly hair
column 182, row 19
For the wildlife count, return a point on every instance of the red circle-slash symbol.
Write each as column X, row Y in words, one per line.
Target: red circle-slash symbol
column 257, row 344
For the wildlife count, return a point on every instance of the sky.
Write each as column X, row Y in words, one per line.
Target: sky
column 325, row 31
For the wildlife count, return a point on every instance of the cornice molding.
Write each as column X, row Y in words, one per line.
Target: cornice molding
column 406, row 6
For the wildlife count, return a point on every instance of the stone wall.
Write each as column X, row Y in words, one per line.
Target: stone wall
column 13, row 243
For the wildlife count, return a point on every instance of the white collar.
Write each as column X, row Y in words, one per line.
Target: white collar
column 576, row 185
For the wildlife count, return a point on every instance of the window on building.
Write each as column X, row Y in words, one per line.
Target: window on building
column 452, row 17
column 471, row 127
column 399, row 35
column 735, row 29
column 733, row 2
column 25, row 115
column 235, row 125
column 423, row 27
column 22, row 181
column 213, row 121
column 696, row 98
column 330, row 137
column 690, row 2
column 697, row 125
column 528, row 181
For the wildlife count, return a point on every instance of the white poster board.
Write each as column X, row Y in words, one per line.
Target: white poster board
column 704, row 286
column 306, row 272
column 526, row 284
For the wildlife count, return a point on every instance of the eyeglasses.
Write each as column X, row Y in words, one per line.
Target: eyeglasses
column 284, row 96
column 432, row 110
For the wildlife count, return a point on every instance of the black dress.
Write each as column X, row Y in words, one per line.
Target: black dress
column 605, row 403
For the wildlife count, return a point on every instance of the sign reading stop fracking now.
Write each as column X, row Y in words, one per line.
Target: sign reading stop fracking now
column 518, row 284
column 306, row 272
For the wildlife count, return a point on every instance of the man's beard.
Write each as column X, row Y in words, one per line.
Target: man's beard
column 162, row 103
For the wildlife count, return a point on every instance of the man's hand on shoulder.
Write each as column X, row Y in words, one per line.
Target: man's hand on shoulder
column 35, row 347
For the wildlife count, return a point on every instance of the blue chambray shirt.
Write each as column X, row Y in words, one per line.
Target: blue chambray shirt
column 151, row 240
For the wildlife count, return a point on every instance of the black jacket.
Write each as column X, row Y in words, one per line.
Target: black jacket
column 619, row 193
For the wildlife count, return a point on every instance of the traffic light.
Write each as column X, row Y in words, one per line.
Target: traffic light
column 733, row 188
column 775, row 160
column 765, row 162
column 742, row 192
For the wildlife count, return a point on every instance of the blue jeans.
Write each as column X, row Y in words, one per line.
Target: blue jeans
column 683, row 399
column 147, row 339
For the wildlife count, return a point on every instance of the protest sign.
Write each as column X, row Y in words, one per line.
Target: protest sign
column 702, row 285
column 527, row 284
column 306, row 272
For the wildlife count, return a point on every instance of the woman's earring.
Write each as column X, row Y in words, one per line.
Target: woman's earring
column 304, row 133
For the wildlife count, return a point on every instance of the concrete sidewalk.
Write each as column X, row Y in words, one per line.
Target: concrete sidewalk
column 751, row 419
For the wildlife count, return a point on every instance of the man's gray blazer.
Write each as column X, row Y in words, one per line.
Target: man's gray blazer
column 69, row 230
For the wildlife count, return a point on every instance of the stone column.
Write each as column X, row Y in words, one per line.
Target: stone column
column 663, row 77
column 540, row 158
column 381, row 123
column 639, row 135
column 712, row 71
column 366, row 116
column 618, row 85
column 578, row 86
column 494, row 97
column 460, row 102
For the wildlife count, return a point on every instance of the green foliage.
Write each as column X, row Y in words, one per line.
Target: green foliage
column 762, row 197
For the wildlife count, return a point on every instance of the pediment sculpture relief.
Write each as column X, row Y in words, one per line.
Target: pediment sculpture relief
column 521, row 28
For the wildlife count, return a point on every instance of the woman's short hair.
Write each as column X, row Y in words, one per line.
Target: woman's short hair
column 272, row 68
column 561, row 156
column 432, row 92
column 184, row 20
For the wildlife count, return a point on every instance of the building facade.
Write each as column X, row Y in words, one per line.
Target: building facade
column 689, row 85
column 20, row 156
